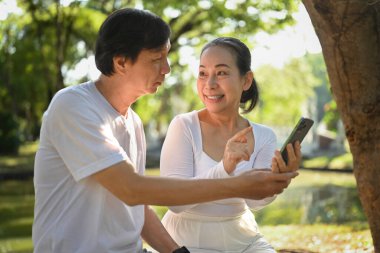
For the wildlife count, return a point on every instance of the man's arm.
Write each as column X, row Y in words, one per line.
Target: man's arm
column 134, row 189
column 123, row 182
column 155, row 234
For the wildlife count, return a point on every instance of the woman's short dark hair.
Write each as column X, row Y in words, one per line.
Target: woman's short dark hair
column 250, row 97
column 126, row 32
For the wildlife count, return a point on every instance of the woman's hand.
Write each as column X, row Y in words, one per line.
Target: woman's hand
column 236, row 150
column 294, row 159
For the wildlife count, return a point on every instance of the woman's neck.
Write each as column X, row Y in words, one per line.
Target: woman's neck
column 230, row 123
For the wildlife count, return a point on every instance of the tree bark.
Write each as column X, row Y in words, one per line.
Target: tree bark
column 349, row 33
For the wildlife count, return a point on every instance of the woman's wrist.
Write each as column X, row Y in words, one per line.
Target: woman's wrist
column 228, row 167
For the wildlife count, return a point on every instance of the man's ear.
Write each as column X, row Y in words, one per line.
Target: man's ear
column 120, row 64
column 248, row 80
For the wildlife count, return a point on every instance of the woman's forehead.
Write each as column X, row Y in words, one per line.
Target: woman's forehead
column 217, row 53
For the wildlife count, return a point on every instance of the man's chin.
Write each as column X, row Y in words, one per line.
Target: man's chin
column 152, row 90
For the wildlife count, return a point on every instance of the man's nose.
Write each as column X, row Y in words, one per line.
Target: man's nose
column 165, row 67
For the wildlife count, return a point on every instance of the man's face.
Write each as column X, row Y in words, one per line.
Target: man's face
column 148, row 72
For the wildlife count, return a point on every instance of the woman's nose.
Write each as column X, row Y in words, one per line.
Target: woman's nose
column 211, row 82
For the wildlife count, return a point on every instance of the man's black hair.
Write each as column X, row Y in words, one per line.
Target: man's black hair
column 125, row 33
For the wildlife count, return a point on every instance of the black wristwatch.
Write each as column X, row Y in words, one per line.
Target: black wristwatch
column 181, row 250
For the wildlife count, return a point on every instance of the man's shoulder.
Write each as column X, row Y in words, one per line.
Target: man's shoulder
column 72, row 98
column 72, row 91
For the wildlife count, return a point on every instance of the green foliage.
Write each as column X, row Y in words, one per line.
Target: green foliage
column 289, row 87
column 47, row 39
column 331, row 117
column 10, row 139
column 36, row 47
column 322, row 88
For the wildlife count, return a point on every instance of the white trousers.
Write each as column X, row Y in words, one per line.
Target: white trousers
column 206, row 234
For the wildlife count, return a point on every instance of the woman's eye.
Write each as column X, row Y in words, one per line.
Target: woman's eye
column 201, row 73
column 221, row 73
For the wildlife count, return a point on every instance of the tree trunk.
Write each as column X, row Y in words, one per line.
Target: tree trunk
column 349, row 33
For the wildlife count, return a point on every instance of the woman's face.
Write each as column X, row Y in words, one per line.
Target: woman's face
column 219, row 82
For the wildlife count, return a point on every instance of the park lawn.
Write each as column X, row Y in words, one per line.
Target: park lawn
column 341, row 162
column 21, row 162
column 17, row 201
column 320, row 238
column 352, row 237
column 16, row 212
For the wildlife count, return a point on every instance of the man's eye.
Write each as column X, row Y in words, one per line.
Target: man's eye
column 201, row 73
column 221, row 73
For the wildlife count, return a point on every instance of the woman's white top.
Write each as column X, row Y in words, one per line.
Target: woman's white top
column 182, row 156
column 227, row 225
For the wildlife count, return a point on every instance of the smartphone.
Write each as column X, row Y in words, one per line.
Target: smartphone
column 298, row 134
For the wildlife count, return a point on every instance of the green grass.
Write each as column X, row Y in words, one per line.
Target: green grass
column 317, row 196
column 340, row 162
column 16, row 216
column 319, row 238
column 329, row 200
column 22, row 162
column 16, row 245
column 308, row 178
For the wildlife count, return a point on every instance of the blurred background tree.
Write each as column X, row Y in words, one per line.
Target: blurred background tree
column 42, row 42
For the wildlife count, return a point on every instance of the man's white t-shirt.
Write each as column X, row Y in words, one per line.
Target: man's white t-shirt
column 82, row 134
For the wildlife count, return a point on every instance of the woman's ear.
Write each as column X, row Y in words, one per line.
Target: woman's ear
column 248, row 80
column 120, row 64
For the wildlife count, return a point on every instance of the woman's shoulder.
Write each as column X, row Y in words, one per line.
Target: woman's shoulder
column 263, row 131
column 186, row 118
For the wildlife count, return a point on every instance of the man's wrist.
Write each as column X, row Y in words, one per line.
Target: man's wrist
column 181, row 250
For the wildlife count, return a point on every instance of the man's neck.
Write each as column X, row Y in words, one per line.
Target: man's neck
column 112, row 92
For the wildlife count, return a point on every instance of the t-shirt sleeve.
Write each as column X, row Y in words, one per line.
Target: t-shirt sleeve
column 81, row 137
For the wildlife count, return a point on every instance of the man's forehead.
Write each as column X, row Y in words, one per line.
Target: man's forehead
column 165, row 47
